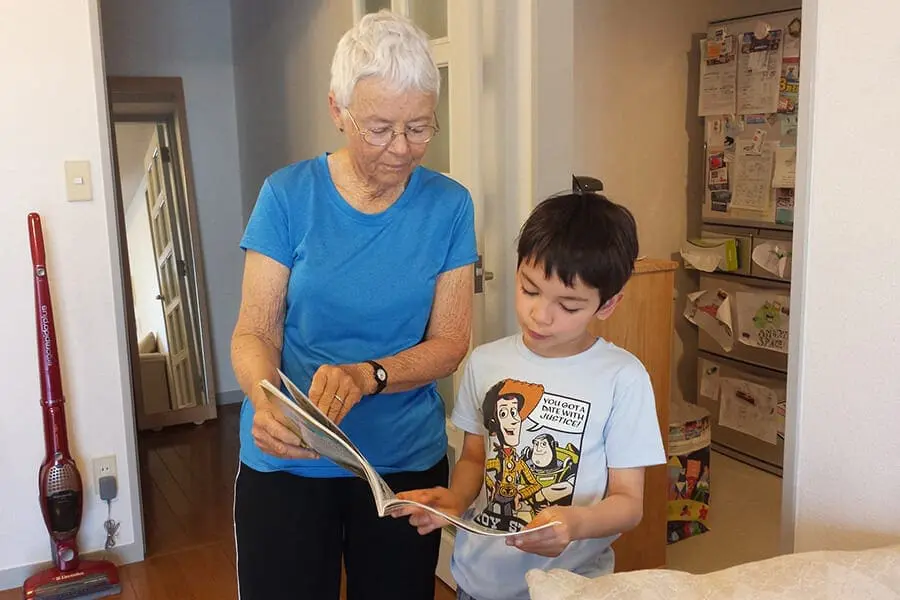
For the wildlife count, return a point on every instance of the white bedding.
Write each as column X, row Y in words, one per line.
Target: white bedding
column 839, row 575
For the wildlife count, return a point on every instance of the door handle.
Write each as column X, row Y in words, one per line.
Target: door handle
column 160, row 297
column 481, row 275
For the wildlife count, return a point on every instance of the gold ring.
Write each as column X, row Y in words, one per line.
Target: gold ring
column 338, row 398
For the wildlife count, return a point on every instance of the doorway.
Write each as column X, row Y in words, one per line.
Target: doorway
column 164, row 293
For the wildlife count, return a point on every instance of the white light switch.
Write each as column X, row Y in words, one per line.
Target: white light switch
column 78, row 181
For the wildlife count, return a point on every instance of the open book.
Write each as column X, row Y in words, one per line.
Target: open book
column 321, row 435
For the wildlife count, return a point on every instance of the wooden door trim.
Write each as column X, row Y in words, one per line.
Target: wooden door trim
column 152, row 98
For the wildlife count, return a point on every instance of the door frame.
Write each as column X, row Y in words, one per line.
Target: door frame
column 154, row 99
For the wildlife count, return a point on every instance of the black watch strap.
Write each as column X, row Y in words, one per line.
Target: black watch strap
column 380, row 375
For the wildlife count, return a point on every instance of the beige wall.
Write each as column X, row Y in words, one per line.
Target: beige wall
column 845, row 331
column 192, row 40
column 636, row 124
column 282, row 73
column 56, row 45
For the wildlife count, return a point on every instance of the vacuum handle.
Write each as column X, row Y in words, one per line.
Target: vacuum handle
column 48, row 356
column 36, row 237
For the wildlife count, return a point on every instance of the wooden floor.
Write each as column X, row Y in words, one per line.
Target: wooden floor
column 187, row 482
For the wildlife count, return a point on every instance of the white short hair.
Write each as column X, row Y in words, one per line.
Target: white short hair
column 386, row 45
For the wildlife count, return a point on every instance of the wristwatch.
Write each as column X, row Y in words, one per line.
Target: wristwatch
column 381, row 378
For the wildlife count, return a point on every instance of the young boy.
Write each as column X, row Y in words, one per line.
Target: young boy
column 559, row 424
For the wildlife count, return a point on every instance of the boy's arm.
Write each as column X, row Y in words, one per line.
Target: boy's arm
column 633, row 440
column 468, row 474
column 620, row 511
column 465, row 484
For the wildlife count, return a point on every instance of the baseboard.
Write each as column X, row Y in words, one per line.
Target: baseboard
column 14, row 577
column 232, row 397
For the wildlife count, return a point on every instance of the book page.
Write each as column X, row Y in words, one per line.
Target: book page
column 465, row 524
column 321, row 435
column 314, row 436
column 361, row 467
column 321, row 418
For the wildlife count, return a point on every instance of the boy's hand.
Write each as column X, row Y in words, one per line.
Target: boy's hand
column 425, row 522
column 552, row 540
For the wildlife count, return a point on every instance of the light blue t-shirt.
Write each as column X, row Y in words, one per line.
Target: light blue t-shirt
column 554, row 426
column 361, row 287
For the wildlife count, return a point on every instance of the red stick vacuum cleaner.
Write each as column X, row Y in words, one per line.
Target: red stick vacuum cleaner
column 59, row 481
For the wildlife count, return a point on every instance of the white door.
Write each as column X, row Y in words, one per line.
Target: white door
column 185, row 382
column 456, row 151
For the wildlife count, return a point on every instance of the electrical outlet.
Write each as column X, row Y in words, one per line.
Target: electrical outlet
column 105, row 466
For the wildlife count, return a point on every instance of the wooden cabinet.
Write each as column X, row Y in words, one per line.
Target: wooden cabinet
column 642, row 324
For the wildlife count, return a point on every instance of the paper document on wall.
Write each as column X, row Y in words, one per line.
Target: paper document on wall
column 711, row 312
column 792, row 39
column 751, row 185
column 763, row 319
column 784, row 206
column 785, row 167
column 718, row 77
column 749, row 408
column 718, row 170
column 760, row 73
column 715, row 131
column 709, row 379
column 789, row 86
column 771, row 257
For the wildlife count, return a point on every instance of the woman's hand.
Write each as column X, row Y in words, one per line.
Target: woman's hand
column 271, row 434
column 337, row 389
column 552, row 540
column 424, row 521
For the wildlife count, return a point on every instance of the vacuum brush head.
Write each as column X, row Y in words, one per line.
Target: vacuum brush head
column 92, row 579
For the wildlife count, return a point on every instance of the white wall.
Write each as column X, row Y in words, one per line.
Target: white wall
column 845, row 332
column 637, row 129
column 527, row 137
column 56, row 45
column 192, row 40
column 148, row 311
column 282, row 72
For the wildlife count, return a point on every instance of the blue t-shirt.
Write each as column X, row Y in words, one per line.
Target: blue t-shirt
column 555, row 426
column 361, row 287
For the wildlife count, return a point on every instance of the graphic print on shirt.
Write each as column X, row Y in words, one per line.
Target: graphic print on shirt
column 535, row 442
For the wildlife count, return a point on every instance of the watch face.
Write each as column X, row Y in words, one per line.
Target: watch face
column 380, row 374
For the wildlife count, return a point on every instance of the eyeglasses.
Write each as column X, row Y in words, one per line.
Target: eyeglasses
column 383, row 136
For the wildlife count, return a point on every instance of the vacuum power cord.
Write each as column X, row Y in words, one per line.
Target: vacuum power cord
column 108, row 491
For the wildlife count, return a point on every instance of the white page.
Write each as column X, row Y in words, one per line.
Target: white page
column 718, row 81
column 785, row 167
column 749, row 408
column 759, row 64
column 763, row 319
column 751, row 182
column 317, row 438
column 711, row 311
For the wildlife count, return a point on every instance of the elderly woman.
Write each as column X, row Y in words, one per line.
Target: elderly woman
column 358, row 285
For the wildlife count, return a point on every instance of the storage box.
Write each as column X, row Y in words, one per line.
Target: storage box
column 689, row 472
column 711, row 254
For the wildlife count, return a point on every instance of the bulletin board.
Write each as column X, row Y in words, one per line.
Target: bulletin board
column 749, row 90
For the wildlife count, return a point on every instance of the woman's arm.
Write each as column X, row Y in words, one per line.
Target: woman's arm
column 446, row 338
column 337, row 388
column 257, row 338
column 256, row 349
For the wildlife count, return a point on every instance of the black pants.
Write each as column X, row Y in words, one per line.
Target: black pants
column 292, row 532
